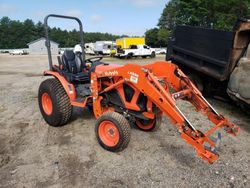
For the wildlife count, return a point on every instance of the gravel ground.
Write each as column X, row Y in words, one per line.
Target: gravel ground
column 32, row 154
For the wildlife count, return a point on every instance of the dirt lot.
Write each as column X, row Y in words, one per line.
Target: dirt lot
column 32, row 154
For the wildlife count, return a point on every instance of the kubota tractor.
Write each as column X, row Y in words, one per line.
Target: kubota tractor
column 125, row 95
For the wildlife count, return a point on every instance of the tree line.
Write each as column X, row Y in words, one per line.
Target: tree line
column 213, row 14
column 16, row 34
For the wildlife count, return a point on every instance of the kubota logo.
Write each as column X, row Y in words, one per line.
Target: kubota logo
column 111, row 73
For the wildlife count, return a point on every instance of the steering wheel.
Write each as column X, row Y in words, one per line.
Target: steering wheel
column 93, row 59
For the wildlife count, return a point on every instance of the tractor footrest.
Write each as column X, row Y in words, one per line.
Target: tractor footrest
column 83, row 90
column 79, row 99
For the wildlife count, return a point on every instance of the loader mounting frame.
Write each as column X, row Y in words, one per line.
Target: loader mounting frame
column 149, row 80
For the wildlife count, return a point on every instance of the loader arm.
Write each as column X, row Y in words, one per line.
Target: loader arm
column 155, row 81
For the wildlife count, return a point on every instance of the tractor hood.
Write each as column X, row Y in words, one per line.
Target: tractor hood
column 105, row 67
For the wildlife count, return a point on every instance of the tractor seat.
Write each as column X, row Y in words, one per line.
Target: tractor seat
column 71, row 66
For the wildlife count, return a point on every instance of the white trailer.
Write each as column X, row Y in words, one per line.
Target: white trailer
column 89, row 48
column 104, row 47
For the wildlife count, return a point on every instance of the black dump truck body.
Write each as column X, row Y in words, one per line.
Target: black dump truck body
column 205, row 50
column 210, row 54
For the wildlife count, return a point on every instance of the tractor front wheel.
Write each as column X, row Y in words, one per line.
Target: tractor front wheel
column 54, row 103
column 113, row 131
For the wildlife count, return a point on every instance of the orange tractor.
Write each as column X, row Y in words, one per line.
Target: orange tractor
column 124, row 95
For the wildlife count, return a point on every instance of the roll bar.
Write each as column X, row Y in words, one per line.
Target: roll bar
column 47, row 42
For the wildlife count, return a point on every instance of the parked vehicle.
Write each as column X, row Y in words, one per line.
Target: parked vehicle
column 89, row 48
column 4, row 51
column 61, row 51
column 217, row 61
column 143, row 51
column 126, row 42
column 160, row 50
column 124, row 95
column 104, row 47
column 18, row 52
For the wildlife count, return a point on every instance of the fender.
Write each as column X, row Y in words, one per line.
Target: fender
column 69, row 88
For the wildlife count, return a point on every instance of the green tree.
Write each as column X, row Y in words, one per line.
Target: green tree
column 27, row 32
column 39, row 29
column 162, row 37
column 220, row 14
column 151, row 37
column 16, row 34
column 157, row 37
column 169, row 17
column 5, row 23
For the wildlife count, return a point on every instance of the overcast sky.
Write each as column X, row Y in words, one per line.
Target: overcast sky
column 131, row 17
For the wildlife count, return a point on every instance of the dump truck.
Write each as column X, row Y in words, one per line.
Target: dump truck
column 217, row 61
column 126, row 42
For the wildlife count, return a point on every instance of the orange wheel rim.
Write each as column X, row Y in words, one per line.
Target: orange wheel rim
column 108, row 133
column 145, row 126
column 47, row 104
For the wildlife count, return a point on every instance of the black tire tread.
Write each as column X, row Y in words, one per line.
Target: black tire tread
column 157, row 124
column 124, row 129
column 153, row 55
column 63, row 105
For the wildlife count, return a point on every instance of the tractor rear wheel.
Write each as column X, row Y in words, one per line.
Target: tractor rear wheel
column 54, row 103
column 113, row 131
column 149, row 125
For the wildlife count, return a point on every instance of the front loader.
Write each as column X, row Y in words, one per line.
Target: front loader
column 124, row 95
